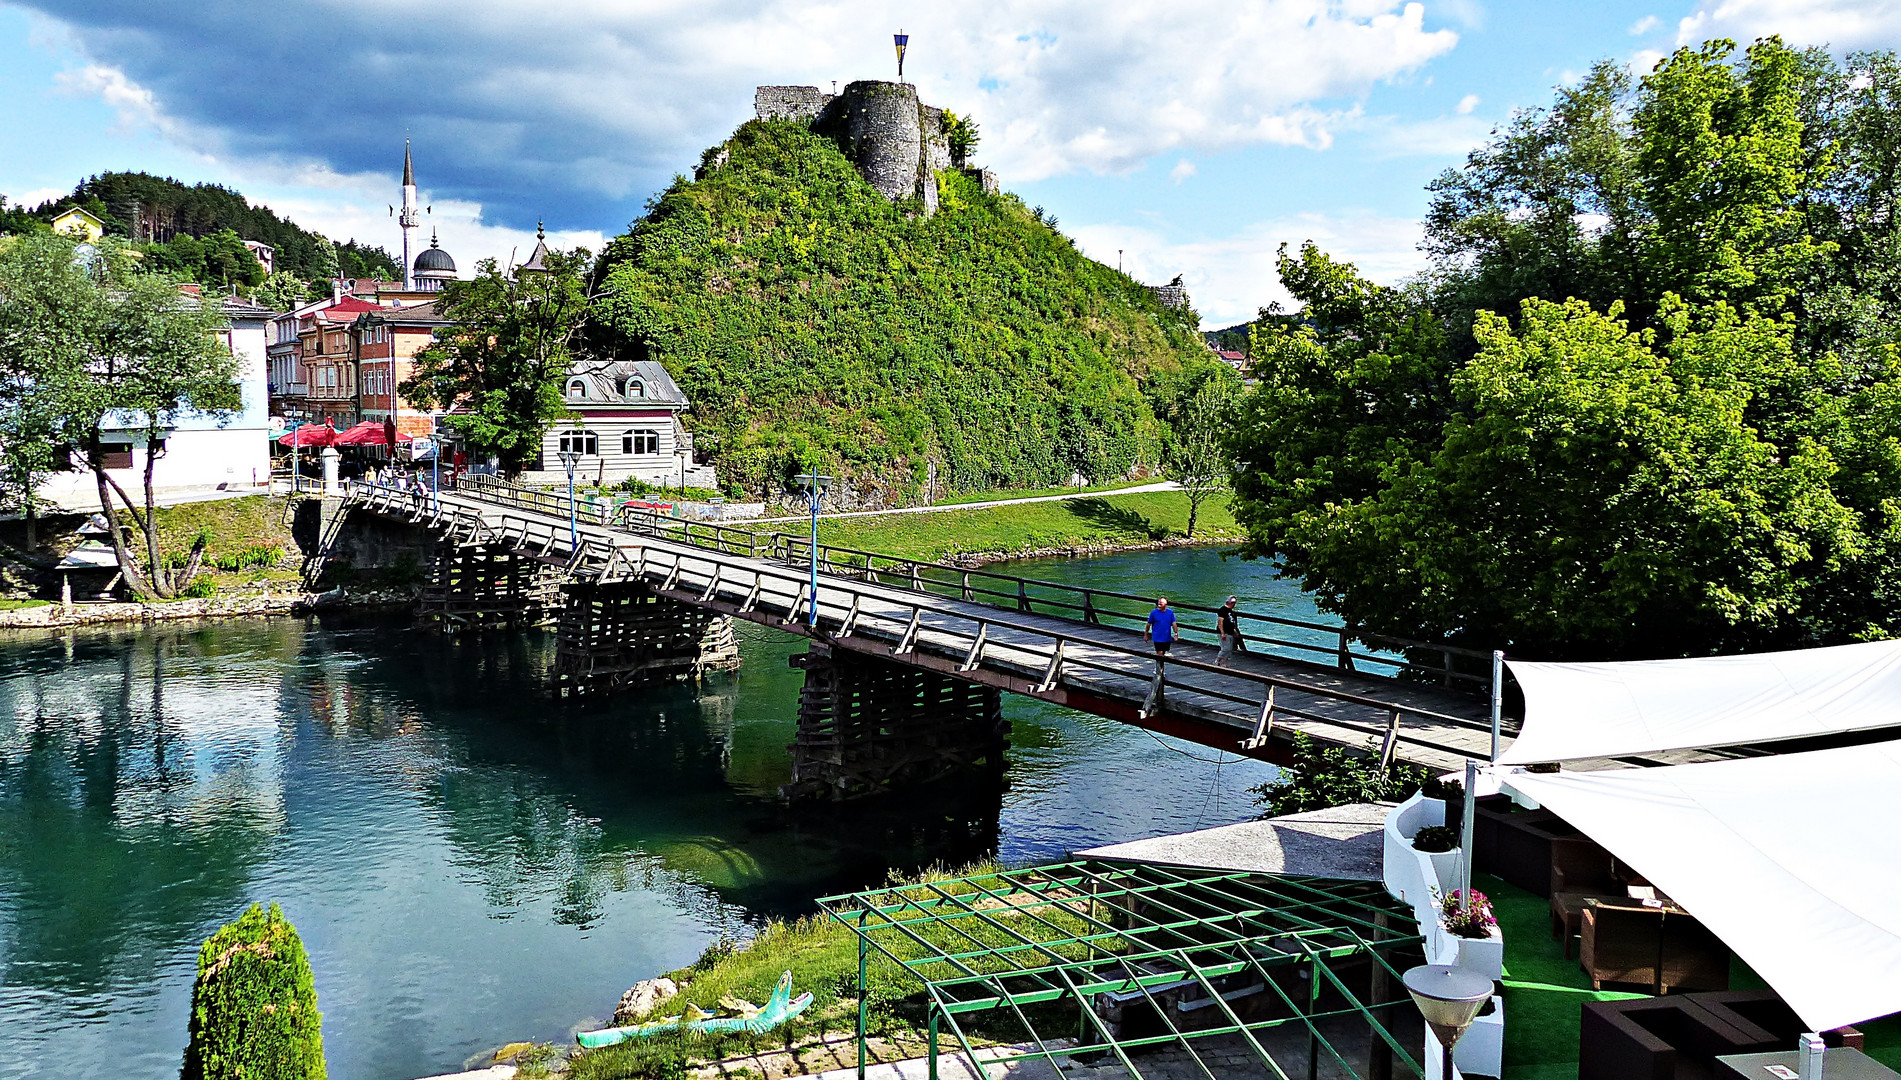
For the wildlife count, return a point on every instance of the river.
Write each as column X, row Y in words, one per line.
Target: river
column 470, row 862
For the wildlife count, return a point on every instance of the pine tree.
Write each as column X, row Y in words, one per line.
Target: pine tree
column 254, row 1006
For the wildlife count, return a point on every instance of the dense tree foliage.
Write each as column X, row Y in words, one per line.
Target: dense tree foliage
column 501, row 363
column 219, row 259
column 254, row 1004
column 1645, row 403
column 810, row 320
column 140, row 207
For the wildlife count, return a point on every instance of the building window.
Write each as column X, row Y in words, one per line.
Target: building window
column 635, row 388
column 577, row 388
column 116, row 455
column 640, row 441
column 581, row 442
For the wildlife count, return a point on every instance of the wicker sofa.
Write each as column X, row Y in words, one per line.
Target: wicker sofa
column 1624, row 944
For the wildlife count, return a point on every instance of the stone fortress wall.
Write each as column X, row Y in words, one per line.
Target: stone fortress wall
column 898, row 143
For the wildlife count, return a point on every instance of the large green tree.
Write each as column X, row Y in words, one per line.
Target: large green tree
column 500, row 364
column 113, row 356
column 1644, row 404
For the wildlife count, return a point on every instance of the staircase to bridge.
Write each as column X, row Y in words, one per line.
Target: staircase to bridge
column 951, row 626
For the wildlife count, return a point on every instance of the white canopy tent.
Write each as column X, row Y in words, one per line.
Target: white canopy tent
column 1793, row 860
column 1576, row 711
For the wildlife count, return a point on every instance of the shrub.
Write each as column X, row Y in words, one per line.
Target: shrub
column 254, row 1005
column 200, row 589
column 1435, row 839
column 1446, row 790
column 1323, row 777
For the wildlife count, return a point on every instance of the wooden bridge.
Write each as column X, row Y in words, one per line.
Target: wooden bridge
column 1078, row 647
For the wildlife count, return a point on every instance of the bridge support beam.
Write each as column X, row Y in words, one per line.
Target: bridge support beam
column 615, row 634
column 868, row 726
column 486, row 586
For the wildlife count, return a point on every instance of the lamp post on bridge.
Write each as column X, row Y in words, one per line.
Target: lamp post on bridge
column 814, row 485
column 570, row 460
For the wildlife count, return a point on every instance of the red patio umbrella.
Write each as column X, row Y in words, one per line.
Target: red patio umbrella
column 310, row 435
column 368, row 433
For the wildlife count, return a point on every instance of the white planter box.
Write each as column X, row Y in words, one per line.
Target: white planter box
column 1483, row 955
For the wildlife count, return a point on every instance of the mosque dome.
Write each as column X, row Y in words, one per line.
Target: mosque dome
column 434, row 258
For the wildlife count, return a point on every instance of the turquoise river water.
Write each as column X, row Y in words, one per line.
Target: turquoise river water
column 470, row 862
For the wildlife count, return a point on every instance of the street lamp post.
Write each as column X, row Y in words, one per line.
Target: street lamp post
column 570, row 459
column 435, row 469
column 815, row 486
column 1450, row 999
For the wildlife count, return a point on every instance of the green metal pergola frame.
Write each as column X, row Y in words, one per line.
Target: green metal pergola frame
column 1001, row 941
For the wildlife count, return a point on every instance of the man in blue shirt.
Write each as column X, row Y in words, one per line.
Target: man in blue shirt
column 1161, row 626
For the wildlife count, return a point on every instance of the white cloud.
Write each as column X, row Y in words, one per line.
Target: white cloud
column 1644, row 61
column 133, row 104
column 1841, row 24
column 1467, row 104
column 1644, row 25
column 575, row 107
column 1183, row 170
column 1230, row 279
column 36, row 196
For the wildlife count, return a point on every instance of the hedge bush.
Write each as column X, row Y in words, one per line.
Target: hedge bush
column 254, row 1005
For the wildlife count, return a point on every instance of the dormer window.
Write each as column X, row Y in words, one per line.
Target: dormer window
column 634, row 389
column 577, row 388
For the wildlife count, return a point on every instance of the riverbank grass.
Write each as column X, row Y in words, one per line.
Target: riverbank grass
column 1088, row 523
column 822, row 955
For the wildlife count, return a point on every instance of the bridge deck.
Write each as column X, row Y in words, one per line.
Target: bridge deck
column 1253, row 707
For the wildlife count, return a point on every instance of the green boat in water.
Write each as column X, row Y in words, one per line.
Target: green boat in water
column 778, row 1009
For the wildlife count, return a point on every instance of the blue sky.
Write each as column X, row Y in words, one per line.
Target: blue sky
column 1196, row 137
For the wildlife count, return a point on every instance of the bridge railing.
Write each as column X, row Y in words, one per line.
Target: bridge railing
column 1323, row 644
column 1093, row 606
column 1054, row 656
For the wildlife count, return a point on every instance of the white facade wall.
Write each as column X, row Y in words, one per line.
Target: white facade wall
column 671, row 464
column 201, row 452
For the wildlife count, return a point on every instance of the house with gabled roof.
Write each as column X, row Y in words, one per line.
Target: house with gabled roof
column 625, row 422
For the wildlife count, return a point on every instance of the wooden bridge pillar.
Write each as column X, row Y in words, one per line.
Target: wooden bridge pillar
column 485, row 586
column 614, row 634
column 868, row 726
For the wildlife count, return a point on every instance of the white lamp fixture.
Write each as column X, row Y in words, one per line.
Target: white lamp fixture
column 1450, row 999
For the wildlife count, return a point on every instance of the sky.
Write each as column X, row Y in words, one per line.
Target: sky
column 1190, row 138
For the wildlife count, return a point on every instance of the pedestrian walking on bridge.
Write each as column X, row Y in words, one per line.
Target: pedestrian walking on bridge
column 1228, row 625
column 1161, row 626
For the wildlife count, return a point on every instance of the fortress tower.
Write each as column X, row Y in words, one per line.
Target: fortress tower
column 897, row 142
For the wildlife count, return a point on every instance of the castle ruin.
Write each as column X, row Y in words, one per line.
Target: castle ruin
column 898, row 143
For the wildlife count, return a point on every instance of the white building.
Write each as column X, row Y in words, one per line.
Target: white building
column 202, row 456
column 627, row 424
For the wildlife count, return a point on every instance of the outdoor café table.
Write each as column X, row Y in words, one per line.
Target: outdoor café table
column 1838, row 1063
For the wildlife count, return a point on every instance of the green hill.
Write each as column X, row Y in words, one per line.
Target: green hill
column 809, row 319
column 144, row 207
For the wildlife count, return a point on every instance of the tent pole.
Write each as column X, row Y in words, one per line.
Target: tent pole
column 1465, row 831
column 1498, row 697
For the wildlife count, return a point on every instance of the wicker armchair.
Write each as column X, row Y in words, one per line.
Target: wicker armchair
column 1651, row 948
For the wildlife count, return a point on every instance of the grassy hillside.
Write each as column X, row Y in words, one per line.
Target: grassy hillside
column 809, row 319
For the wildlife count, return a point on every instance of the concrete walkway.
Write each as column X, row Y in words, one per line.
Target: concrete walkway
column 1342, row 842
